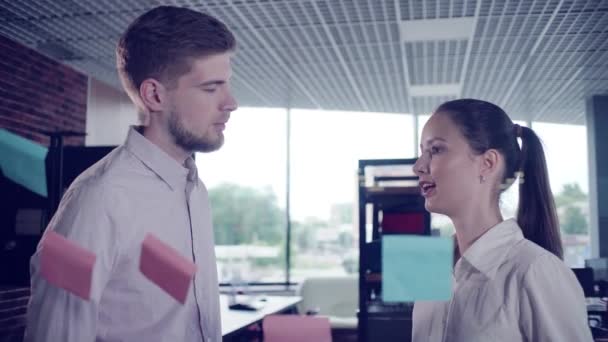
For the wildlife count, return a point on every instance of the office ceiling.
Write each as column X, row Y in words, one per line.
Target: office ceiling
column 540, row 60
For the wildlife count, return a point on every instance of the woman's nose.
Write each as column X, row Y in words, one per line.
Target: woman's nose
column 420, row 166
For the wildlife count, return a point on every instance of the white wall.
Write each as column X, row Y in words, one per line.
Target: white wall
column 110, row 112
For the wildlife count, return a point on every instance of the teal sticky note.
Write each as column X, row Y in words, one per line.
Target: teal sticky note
column 416, row 268
column 22, row 161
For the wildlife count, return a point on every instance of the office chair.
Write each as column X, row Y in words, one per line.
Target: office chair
column 334, row 297
column 586, row 279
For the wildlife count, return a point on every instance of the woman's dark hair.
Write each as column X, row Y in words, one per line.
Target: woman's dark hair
column 486, row 126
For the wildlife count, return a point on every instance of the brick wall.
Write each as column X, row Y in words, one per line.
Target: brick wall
column 38, row 93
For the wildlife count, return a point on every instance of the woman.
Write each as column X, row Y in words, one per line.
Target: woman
column 510, row 283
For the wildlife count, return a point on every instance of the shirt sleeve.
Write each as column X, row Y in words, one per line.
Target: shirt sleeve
column 55, row 314
column 552, row 304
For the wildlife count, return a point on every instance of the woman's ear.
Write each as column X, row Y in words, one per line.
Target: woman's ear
column 153, row 95
column 489, row 164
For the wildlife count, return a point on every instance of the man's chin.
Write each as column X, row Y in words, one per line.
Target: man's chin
column 209, row 146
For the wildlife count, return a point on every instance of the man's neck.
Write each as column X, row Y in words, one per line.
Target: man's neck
column 166, row 143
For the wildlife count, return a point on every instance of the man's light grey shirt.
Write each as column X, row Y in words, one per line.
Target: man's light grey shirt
column 137, row 189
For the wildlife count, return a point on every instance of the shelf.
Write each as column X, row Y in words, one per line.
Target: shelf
column 391, row 190
column 388, row 200
column 373, row 277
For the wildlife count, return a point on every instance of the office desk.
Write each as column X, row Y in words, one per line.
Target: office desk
column 235, row 320
column 14, row 301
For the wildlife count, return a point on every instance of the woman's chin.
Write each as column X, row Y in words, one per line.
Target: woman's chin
column 432, row 207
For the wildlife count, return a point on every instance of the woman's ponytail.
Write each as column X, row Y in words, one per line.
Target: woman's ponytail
column 536, row 214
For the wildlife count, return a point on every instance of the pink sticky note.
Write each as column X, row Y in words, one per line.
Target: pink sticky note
column 168, row 269
column 67, row 265
column 296, row 328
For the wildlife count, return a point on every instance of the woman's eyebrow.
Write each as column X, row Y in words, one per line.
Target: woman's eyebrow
column 431, row 140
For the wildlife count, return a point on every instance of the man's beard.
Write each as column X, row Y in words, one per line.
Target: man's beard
column 190, row 141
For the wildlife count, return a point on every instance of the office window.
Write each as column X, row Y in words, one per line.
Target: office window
column 246, row 181
column 567, row 161
column 325, row 149
column 422, row 119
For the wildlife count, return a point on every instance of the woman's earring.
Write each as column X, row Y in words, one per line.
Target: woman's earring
column 481, row 179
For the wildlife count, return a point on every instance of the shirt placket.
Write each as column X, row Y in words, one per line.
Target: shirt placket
column 190, row 184
column 459, row 270
column 448, row 313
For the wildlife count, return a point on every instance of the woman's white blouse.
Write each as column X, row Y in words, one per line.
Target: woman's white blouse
column 506, row 288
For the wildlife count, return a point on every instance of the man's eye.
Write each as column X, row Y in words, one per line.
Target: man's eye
column 435, row 150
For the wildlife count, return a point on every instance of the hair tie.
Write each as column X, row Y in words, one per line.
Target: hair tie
column 518, row 129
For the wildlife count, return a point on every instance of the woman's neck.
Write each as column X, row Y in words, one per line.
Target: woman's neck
column 472, row 225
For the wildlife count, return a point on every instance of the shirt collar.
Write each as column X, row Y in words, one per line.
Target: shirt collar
column 167, row 168
column 489, row 251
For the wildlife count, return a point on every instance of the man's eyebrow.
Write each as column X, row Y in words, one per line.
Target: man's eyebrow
column 212, row 82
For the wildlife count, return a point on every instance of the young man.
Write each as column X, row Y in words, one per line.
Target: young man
column 175, row 65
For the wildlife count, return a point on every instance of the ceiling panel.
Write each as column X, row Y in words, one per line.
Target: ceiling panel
column 538, row 59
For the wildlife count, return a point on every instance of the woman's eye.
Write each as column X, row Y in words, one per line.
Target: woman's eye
column 435, row 150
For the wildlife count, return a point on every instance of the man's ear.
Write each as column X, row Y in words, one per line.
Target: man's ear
column 153, row 95
column 489, row 163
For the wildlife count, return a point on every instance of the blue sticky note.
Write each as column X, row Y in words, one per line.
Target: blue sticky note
column 22, row 161
column 416, row 268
